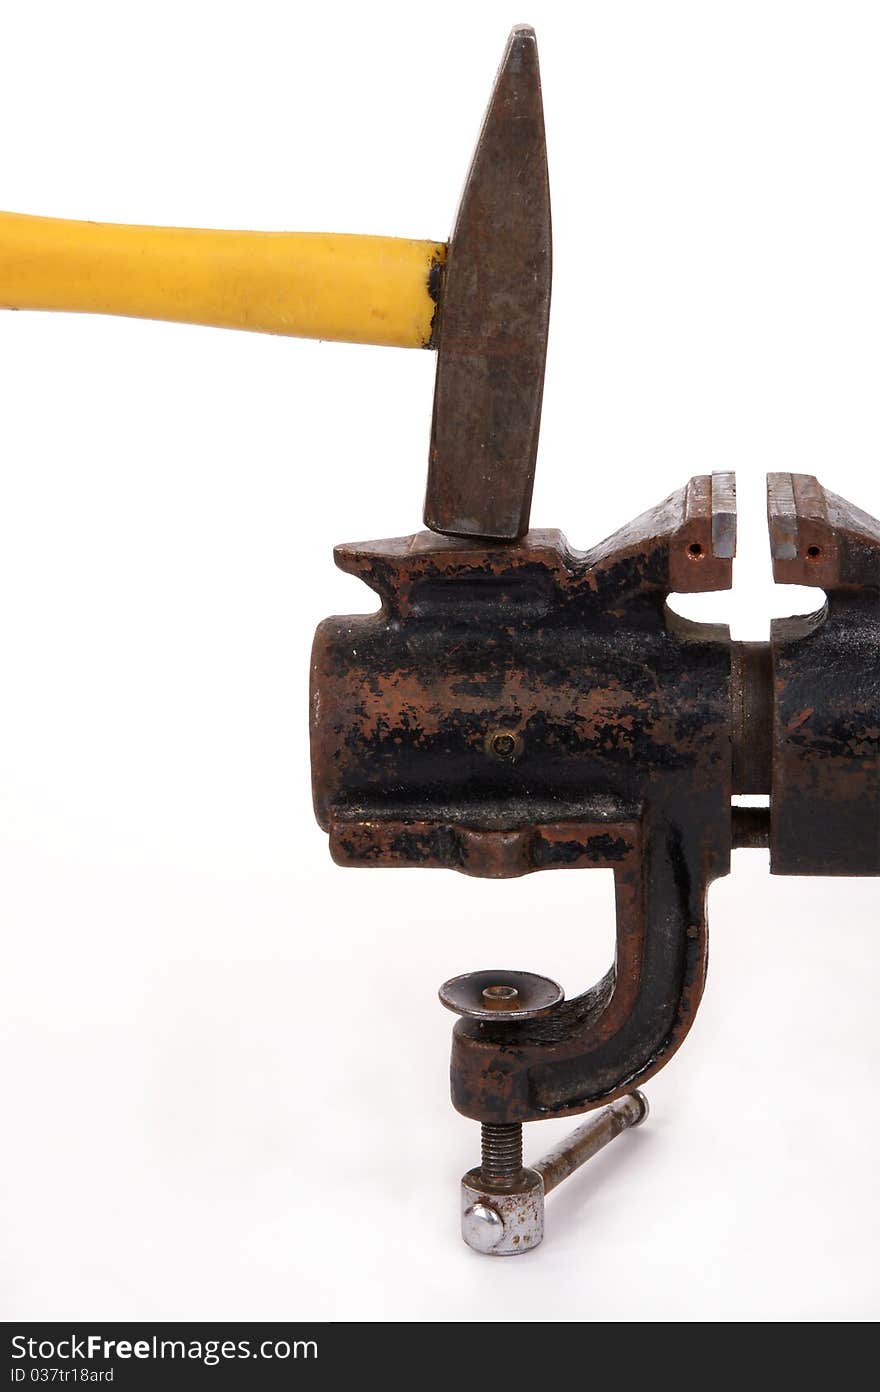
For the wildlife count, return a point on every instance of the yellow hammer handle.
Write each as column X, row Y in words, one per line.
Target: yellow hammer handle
column 304, row 284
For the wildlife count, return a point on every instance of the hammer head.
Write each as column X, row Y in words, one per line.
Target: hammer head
column 493, row 317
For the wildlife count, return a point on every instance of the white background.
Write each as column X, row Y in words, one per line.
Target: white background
column 197, row 1010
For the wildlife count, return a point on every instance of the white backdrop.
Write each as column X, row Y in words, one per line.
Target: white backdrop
column 195, row 1005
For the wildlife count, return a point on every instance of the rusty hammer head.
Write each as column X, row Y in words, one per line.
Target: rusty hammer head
column 493, row 317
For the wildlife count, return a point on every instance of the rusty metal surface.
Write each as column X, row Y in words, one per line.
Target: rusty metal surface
column 750, row 828
column 751, row 713
column 493, row 317
column 825, row 809
column 589, row 1138
column 524, row 707
column 502, row 1223
column 619, row 712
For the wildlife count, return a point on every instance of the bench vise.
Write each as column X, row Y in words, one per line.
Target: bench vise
column 517, row 706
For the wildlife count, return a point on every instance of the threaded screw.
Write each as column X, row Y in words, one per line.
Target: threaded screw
column 502, row 1158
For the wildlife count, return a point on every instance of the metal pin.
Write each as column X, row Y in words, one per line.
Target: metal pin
column 587, row 1140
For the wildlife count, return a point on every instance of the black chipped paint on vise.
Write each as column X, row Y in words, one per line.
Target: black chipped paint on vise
column 604, row 850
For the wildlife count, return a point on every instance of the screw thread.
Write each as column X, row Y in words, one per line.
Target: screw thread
column 502, row 1160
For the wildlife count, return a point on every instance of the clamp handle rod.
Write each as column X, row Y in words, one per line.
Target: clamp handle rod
column 589, row 1138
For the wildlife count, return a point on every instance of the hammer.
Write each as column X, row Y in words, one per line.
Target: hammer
column 482, row 301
